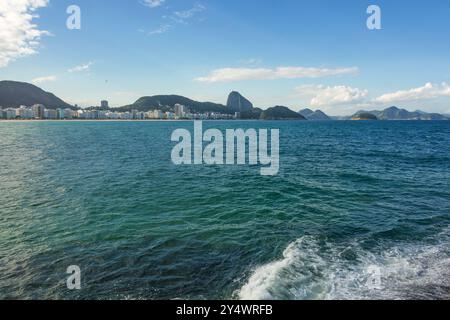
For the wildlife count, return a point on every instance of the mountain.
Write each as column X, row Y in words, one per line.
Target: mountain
column 237, row 102
column 280, row 113
column 253, row 114
column 14, row 94
column 314, row 115
column 394, row 113
column 306, row 112
column 168, row 102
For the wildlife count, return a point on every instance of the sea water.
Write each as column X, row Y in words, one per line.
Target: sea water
column 350, row 198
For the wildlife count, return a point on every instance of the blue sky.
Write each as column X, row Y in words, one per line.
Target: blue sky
column 298, row 53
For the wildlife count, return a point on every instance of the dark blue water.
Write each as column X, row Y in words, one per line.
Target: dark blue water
column 350, row 198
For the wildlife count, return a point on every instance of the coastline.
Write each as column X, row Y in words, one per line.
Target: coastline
column 211, row 120
column 154, row 120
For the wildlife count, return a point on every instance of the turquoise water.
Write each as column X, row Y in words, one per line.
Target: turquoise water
column 350, row 198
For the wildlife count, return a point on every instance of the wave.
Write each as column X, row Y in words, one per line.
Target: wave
column 313, row 269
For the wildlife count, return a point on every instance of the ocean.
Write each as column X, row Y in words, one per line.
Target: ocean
column 352, row 201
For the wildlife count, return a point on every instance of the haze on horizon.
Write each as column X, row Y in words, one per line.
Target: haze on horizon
column 316, row 54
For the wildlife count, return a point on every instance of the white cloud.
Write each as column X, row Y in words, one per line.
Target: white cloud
column 173, row 19
column 251, row 61
column 187, row 14
column 44, row 79
column 240, row 74
column 81, row 68
column 153, row 3
column 331, row 96
column 162, row 29
column 428, row 91
column 19, row 36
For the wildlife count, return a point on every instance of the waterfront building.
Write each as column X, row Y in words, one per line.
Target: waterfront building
column 126, row 116
column 79, row 114
column 25, row 113
column 68, row 113
column 113, row 115
column 150, row 115
column 158, row 114
column 39, row 111
column 101, row 115
column 60, row 114
column 169, row 115
column 10, row 114
column 51, row 114
column 141, row 115
column 180, row 111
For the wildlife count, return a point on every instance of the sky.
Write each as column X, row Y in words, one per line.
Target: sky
column 297, row 53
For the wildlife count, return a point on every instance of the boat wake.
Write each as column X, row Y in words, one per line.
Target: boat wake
column 313, row 269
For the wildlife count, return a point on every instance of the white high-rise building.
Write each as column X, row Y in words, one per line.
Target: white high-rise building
column 169, row 115
column 68, row 113
column 158, row 114
column 10, row 113
column 51, row 114
column 180, row 110
column 151, row 115
column 26, row 113
column 39, row 111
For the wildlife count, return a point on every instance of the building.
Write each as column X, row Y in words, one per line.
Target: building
column 140, row 116
column 51, row 114
column 79, row 114
column 25, row 113
column 10, row 114
column 104, row 104
column 69, row 113
column 158, row 114
column 180, row 111
column 39, row 111
column 113, row 115
column 155, row 114
column 152, row 114
column 169, row 115
column 126, row 116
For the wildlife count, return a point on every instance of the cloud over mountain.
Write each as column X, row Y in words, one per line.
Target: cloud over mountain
column 44, row 79
column 321, row 95
column 428, row 91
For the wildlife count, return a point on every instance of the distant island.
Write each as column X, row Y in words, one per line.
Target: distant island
column 394, row 113
column 20, row 100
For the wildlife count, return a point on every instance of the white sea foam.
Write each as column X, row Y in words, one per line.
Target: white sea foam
column 314, row 269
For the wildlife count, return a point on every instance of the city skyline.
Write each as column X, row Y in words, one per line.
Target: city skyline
column 317, row 54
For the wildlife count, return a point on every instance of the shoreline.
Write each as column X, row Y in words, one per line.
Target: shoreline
column 210, row 120
column 112, row 120
column 152, row 120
